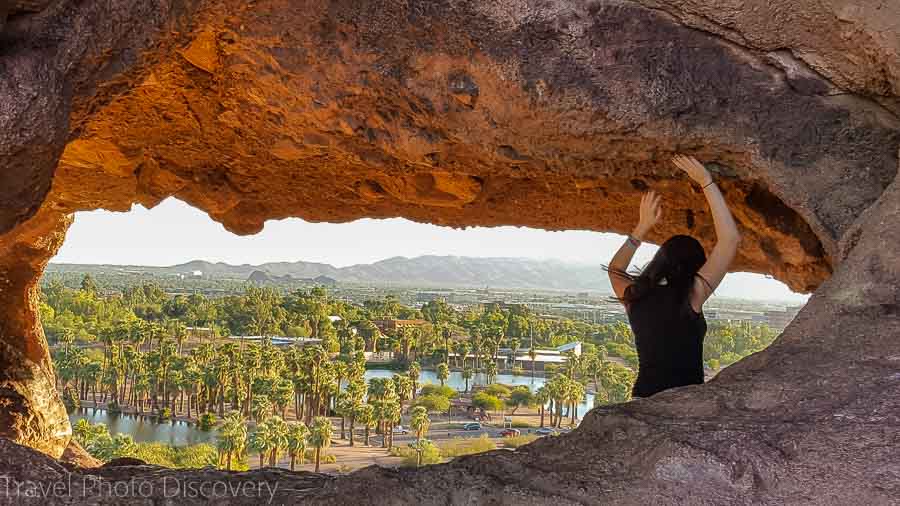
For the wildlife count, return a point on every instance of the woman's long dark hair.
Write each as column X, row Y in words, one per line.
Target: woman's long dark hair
column 674, row 266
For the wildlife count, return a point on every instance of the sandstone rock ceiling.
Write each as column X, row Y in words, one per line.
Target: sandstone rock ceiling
column 554, row 114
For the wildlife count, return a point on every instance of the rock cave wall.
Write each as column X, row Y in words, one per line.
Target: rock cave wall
column 552, row 114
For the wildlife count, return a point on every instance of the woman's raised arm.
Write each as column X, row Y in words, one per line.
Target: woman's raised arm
column 727, row 236
column 650, row 213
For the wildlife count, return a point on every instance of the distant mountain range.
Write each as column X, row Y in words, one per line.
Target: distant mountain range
column 423, row 271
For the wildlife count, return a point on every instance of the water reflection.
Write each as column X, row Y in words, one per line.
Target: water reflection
column 456, row 381
column 144, row 429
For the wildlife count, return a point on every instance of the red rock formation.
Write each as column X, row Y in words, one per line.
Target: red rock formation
column 556, row 115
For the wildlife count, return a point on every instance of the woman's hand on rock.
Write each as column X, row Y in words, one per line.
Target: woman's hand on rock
column 694, row 169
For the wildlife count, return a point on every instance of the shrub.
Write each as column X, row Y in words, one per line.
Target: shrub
column 517, row 441
column 431, row 454
column 433, row 402
column 164, row 414
column 434, row 454
column 443, row 391
column 181, row 457
column 466, row 446
column 207, row 421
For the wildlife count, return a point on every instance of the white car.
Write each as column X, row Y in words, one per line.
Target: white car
column 400, row 430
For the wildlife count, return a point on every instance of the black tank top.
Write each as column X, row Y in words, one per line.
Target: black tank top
column 668, row 335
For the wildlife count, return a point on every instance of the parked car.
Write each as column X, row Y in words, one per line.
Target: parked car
column 545, row 431
column 511, row 433
column 401, row 430
column 472, row 426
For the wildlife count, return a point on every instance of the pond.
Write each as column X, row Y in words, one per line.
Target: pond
column 144, row 429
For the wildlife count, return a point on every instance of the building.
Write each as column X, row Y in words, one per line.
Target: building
column 280, row 340
column 543, row 356
column 778, row 320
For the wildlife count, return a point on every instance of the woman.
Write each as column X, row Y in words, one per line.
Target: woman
column 665, row 300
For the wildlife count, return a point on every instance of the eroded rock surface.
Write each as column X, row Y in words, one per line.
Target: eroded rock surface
column 554, row 114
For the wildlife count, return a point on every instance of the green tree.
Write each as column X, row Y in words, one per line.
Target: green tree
column 443, row 372
column 532, row 354
column 520, row 397
column 486, row 402
column 467, row 375
column 88, row 285
column 415, row 371
column 433, row 403
column 261, row 441
column 541, row 398
column 320, row 437
column 231, row 438
column 420, row 423
column 298, row 437
column 365, row 416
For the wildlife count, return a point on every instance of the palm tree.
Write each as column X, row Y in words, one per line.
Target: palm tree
column 281, row 393
column 576, row 395
column 67, row 338
column 462, row 349
column 446, row 333
column 595, row 368
column 443, row 372
column 261, row 441
column 90, row 373
column 542, row 396
column 420, row 423
column 232, row 437
column 298, row 436
column 491, row 371
column 193, row 378
column 378, row 392
column 514, row 348
column 251, row 359
column 403, row 387
column 179, row 332
column 393, row 410
column 320, row 437
column 316, row 360
column 167, row 354
column 467, row 375
column 354, row 393
column 278, row 437
column 415, row 370
column 262, row 408
column 344, row 407
column 365, row 415
column 532, row 354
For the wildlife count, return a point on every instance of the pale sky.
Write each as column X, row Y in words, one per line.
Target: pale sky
column 174, row 233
